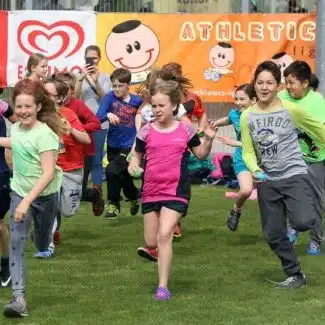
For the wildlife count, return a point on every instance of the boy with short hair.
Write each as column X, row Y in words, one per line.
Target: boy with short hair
column 120, row 107
column 298, row 90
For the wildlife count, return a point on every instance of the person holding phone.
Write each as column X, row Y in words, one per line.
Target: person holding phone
column 91, row 87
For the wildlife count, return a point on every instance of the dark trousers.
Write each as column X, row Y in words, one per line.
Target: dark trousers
column 293, row 198
column 117, row 176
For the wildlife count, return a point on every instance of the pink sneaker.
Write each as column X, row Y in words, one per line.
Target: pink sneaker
column 150, row 254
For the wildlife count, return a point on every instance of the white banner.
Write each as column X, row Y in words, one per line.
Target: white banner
column 62, row 36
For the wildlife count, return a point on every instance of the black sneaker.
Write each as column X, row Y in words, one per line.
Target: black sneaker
column 112, row 211
column 134, row 207
column 233, row 220
column 292, row 282
column 5, row 278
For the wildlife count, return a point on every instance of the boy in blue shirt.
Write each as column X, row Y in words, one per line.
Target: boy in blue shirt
column 120, row 107
column 5, row 278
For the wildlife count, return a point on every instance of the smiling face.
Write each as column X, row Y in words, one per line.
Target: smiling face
column 26, row 110
column 221, row 57
column 135, row 50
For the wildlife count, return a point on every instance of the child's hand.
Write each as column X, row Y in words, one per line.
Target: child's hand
column 135, row 171
column 113, row 119
column 228, row 141
column 210, row 131
column 21, row 210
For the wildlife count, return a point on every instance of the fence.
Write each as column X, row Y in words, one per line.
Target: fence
column 214, row 110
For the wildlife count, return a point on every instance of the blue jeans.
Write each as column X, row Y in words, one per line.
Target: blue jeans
column 97, row 168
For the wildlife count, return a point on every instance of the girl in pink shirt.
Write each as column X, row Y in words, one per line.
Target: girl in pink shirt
column 166, row 185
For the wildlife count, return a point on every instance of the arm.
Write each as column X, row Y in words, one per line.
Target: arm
column 136, row 157
column 305, row 122
column 104, row 109
column 249, row 155
column 80, row 136
column 104, row 89
column 230, row 142
column 91, row 122
column 48, row 163
column 79, row 81
column 138, row 121
column 5, row 142
column 224, row 121
column 203, row 150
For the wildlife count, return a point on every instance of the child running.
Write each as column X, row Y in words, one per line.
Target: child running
column 37, row 67
column 271, row 152
column 166, row 187
column 5, row 112
column 91, row 124
column 245, row 96
column 120, row 108
column 298, row 90
column 36, row 180
column 70, row 159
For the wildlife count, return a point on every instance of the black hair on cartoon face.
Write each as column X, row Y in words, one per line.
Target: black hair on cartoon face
column 126, row 26
column 225, row 45
column 278, row 55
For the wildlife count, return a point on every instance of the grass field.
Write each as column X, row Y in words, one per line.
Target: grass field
column 218, row 277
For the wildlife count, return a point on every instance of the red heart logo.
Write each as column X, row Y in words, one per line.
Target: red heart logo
column 63, row 34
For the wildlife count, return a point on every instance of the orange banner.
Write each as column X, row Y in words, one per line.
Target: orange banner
column 217, row 52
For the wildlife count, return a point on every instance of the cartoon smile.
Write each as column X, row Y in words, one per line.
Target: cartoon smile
column 220, row 66
column 119, row 60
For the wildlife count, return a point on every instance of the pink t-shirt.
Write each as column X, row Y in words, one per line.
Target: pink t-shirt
column 166, row 171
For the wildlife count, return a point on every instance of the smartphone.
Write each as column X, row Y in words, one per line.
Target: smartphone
column 90, row 61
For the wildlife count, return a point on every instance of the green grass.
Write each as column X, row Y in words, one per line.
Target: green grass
column 218, row 277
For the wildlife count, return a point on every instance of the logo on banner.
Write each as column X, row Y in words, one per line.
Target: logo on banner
column 66, row 38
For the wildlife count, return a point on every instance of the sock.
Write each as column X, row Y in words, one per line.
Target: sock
column 4, row 263
column 236, row 209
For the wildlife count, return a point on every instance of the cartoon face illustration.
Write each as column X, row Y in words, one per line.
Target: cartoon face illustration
column 133, row 46
column 222, row 56
column 283, row 60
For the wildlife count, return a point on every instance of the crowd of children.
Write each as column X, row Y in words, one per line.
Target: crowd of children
column 60, row 126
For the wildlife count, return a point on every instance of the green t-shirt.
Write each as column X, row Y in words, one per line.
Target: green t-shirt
column 314, row 103
column 27, row 146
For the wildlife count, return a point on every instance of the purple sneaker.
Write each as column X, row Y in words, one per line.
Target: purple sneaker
column 163, row 294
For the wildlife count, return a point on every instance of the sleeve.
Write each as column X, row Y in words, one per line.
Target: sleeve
column 5, row 109
column 91, row 122
column 230, row 116
column 107, row 86
column 104, row 108
column 304, row 121
column 193, row 138
column 47, row 141
column 140, row 142
column 75, row 122
column 249, row 155
column 194, row 141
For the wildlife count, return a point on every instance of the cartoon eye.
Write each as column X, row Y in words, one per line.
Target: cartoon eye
column 129, row 48
column 279, row 65
column 284, row 65
column 219, row 55
column 137, row 45
column 223, row 56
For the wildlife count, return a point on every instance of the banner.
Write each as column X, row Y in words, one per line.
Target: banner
column 62, row 36
column 4, row 47
column 217, row 52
